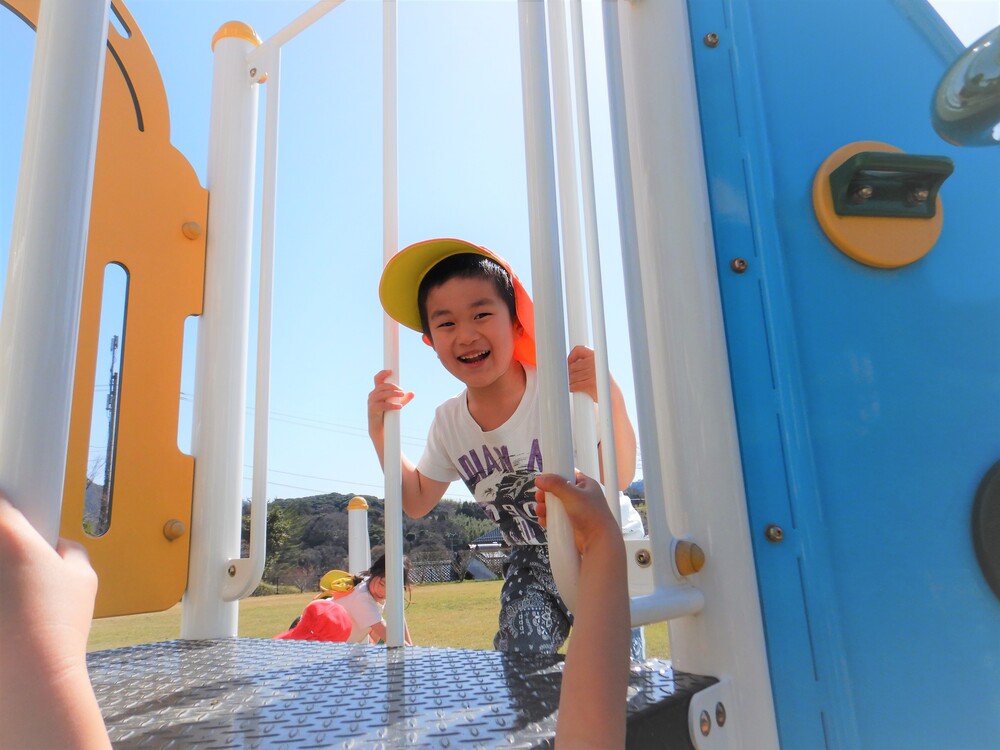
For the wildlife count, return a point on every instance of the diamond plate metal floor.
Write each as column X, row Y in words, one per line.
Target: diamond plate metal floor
column 251, row 693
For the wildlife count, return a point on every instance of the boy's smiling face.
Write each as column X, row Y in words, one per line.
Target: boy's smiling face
column 471, row 330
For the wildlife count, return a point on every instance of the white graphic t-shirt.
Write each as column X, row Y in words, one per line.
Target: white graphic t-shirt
column 498, row 466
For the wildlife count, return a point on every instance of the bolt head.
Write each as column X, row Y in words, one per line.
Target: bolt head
column 774, row 533
column 711, row 39
column 738, row 265
column 720, row 714
column 705, row 723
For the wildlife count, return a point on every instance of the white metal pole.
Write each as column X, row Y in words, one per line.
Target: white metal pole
column 390, row 239
column 221, row 369
column 609, row 450
column 359, row 546
column 584, row 421
column 654, row 477
column 41, row 310
column 697, row 460
column 553, row 380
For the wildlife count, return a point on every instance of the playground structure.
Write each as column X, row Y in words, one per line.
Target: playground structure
column 823, row 423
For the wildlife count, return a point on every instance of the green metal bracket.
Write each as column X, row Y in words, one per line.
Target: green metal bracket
column 885, row 183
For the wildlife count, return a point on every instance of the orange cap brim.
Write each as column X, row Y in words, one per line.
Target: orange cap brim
column 406, row 269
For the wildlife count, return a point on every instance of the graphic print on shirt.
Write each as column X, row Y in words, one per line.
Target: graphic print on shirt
column 505, row 493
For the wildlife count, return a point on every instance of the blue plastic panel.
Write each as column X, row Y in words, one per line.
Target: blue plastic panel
column 868, row 400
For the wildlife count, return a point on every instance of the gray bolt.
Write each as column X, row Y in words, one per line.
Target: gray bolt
column 253, row 72
column 863, row 193
column 711, row 39
column 720, row 714
column 232, row 571
column 921, row 194
column 644, row 558
column 774, row 533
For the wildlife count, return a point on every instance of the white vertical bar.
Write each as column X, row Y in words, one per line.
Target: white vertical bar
column 609, row 450
column 653, row 475
column 390, row 238
column 221, row 369
column 41, row 309
column 697, row 462
column 584, row 422
column 553, row 380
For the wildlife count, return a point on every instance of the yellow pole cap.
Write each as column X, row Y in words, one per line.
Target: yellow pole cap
column 357, row 503
column 236, row 29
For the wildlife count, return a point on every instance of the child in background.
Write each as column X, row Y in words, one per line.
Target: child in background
column 366, row 601
column 321, row 620
column 476, row 314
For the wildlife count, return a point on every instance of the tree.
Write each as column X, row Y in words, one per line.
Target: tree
column 278, row 532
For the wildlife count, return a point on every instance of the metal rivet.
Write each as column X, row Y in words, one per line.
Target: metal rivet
column 644, row 557
column 253, row 72
column 720, row 714
column 920, row 195
column 173, row 529
column 711, row 39
column 739, row 265
column 774, row 533
column 232, row 571
column 705, row 723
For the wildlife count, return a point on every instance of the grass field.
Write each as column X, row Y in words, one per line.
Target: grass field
column 453, row 615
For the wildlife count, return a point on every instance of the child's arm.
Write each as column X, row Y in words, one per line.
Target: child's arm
column 47, row 595
column 420, row 494
column 378, row 633
column 583, row 379
column 595, row 678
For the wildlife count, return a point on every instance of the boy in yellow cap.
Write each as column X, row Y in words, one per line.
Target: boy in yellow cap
column 473, row 310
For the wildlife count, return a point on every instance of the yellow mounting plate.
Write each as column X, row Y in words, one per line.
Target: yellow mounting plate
column 880, row 241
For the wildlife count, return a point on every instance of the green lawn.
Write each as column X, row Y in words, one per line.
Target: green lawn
column 453, row 615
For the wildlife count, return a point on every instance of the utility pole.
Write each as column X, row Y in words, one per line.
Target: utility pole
column 104, row 521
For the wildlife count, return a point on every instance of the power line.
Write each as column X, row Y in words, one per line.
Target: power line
column 319, row 424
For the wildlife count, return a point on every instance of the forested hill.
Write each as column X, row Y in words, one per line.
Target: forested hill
column 307, row 536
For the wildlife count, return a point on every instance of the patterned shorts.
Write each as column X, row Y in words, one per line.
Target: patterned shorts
column 533, row 619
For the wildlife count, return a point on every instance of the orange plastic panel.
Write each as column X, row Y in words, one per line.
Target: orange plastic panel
column 149, row 213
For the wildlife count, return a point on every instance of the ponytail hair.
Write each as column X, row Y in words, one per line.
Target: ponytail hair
column 377, row 570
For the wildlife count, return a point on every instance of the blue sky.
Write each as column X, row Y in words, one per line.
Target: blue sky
column 461, row 173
